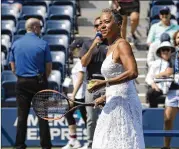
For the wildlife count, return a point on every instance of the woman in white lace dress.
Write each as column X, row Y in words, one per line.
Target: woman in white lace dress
column 120, row 124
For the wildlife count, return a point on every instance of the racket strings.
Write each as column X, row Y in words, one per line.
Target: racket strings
column 49, row 104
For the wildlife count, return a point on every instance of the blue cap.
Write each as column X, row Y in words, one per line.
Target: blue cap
column 164, row 37
column 165, row 9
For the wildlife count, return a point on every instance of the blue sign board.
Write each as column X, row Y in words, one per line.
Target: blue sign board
column 58, row 129
column 153, row 119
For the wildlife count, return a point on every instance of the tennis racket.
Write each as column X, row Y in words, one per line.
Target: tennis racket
column 53, row 105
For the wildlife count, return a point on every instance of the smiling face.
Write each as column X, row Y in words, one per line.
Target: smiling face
column 108, row 26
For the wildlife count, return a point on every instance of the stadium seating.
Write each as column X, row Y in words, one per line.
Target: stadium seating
column 55, row 80
column 58, row 27
column 62, row 12
column 58, row 43
column 45, row 3
column 21, row 27
column 53, row 85
column 8, row 85
column 7, row 75
column 58, row 62
column 59, row 20
column 160, row 2
column 178, row 17
column 3, row 60
column 16, row 37
column 72, row 3
column 10, row 13
column 163, row 2
column 177, row 4
column 5, row 44
column 6, row 37
column 8, row 28
column 35, row 12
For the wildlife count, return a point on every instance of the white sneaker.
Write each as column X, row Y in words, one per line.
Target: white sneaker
column 68, row 146
column 75, row 145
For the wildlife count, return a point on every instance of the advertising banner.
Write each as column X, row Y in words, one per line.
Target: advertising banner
column 58, row 129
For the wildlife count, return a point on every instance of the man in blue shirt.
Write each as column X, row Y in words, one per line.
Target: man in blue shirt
column 31, row 62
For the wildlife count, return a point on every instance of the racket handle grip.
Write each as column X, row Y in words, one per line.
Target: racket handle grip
column 90, row 104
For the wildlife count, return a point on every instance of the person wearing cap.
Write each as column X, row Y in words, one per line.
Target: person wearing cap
column 151, row 56
column 74, row 48
column 155, row 89
column 172, row 98
column 165, row 25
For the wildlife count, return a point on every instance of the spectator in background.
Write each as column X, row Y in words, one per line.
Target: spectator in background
column 165, row 25
column 15, row 3
column 92, row 57
column 159, row 65
column 31, row 62
column 79, row 88
column 74, row 48
column 128, row 8
column 172, row 99
column 151, row 56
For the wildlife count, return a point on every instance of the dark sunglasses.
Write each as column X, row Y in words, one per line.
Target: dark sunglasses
column 96, row 25
column 40, row 26
column 164, row 12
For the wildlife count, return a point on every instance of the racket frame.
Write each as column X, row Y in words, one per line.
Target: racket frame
column 80, row 104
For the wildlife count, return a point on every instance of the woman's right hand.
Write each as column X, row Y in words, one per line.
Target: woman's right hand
column 71, row 102
column 97, row 40
column 99, row 101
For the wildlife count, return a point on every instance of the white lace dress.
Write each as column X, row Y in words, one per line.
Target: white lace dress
column 120, row 124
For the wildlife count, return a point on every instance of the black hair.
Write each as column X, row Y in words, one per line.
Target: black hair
column 116, row 15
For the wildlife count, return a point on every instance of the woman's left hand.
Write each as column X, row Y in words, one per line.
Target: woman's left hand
column 94, row 85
